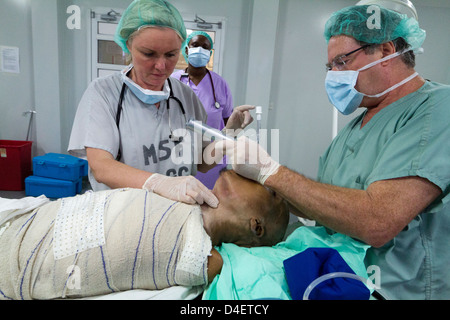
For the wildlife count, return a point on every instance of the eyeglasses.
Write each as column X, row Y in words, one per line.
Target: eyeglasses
column 339, row 62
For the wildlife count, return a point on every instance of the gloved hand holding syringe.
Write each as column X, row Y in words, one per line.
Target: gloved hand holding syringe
column 206, row 132
column 209, row 133
column 247, row 157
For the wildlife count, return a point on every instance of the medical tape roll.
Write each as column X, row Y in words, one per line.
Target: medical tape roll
column 79, row 224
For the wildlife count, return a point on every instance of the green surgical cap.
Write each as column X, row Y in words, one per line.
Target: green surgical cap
column 158, row 13
column 189, row 38
column 358, row 22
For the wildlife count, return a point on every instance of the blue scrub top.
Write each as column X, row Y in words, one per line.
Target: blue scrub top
column 410, row 137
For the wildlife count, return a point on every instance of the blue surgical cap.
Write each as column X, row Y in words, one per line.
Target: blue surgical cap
column 158, row 13
column 355, row 21
column 190, row 37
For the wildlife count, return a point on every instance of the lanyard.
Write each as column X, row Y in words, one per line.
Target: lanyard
column 216, row 104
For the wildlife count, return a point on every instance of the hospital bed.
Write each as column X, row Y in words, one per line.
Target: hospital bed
column 247, row 273
column 259, row 273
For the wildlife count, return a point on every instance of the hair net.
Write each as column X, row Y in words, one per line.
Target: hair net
column 190, row 37
column 355, row 22
column 148, row 13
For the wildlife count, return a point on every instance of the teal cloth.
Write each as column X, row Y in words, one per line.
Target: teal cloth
column 258, row 273
column 410, row 137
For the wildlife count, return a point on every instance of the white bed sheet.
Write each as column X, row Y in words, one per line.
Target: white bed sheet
column 172, row 293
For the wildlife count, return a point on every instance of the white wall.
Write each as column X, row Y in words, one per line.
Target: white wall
column 300, row 106
column 46, row 75
column 16, row 90
column 274, row 56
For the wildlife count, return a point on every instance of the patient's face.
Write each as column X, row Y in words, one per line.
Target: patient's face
column 242, row 195
column 248, row 214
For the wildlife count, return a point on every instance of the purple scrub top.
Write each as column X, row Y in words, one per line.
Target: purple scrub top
column 204, row 92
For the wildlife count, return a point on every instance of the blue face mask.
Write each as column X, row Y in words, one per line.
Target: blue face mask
column 198, row 57
column 340, row 86
column 145, row 95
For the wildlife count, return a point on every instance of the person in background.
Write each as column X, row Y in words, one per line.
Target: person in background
column 124, row 126
column 385, row 179
column 212, row 90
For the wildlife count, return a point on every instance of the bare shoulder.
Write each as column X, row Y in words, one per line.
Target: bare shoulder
column 215, row 263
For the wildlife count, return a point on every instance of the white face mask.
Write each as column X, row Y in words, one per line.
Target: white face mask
column 198, row 57
column 145, row 95
column 340, row 86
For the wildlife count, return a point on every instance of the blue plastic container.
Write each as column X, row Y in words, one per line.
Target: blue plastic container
column 51, row 188
column 60, row 166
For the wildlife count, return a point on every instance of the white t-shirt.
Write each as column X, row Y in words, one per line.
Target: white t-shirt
column 144, row 129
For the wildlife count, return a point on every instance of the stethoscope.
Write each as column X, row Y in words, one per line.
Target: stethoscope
column 172, row 136
column 216, row 104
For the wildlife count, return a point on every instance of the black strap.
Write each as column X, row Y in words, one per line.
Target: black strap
column 119, row 105
column 212, row 85
column 172, row 96
column 186, row 74
column 119, row 112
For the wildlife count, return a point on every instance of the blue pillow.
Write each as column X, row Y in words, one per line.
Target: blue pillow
column 307, row 266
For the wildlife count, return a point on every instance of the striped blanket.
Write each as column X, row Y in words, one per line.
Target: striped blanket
column 119, row 240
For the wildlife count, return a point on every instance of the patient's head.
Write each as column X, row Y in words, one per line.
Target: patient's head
column 248, row 214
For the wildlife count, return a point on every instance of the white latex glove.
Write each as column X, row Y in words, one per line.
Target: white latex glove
column 184, row 189
column 248, row 158
column 240, row 118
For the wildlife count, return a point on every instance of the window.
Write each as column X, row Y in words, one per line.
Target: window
column 107, row 56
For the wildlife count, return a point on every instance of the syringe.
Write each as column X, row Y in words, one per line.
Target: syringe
column 258, row 121
column 206, row 131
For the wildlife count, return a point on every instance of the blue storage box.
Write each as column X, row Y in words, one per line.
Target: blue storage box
column 51, row 188
column 60, row 166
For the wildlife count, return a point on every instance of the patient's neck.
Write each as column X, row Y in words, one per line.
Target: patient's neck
column 211, row 225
